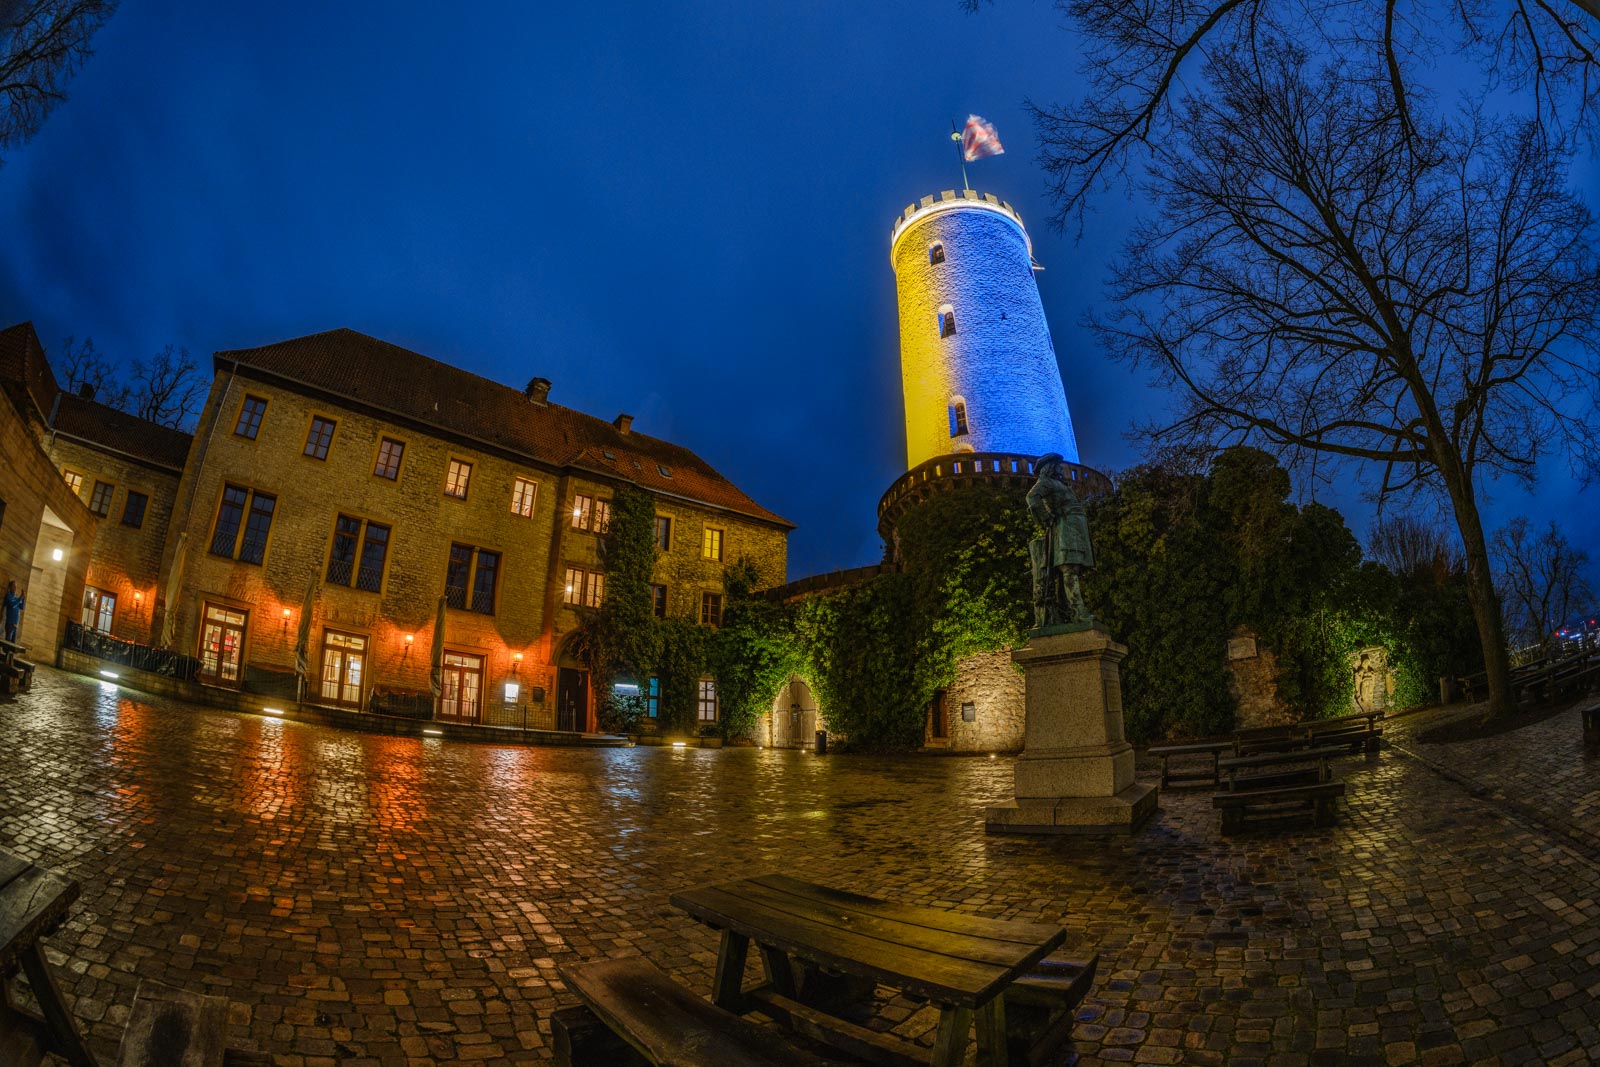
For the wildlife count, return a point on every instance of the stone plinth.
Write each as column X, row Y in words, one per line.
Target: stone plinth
column 1075, row 774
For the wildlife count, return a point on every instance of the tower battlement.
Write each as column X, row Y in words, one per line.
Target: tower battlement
column 950, row 198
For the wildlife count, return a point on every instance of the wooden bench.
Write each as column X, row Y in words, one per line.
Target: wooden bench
column 1210, row 776
column 1262, row 805
column 633, row 1013
column 1253, row 771
column 173, row 1028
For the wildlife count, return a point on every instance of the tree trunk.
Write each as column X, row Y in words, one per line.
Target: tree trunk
column 1480, row 589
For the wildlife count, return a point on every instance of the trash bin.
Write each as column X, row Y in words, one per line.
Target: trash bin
column 822, row 742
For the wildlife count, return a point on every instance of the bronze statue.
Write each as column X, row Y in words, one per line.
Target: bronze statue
column 1063, row 553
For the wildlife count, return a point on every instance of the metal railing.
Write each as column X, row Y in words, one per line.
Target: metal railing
column 140, row 657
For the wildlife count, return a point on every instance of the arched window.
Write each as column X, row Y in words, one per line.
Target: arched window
column 958, row 417
column 936, row 253
column 947, row 321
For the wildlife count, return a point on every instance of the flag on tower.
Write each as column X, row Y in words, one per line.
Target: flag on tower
column 979, row 139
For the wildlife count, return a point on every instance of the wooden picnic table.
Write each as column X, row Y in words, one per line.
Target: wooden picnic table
column 33, row 903
column 961, row 963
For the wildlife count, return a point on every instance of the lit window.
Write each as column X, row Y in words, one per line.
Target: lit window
column 582, row 512
column 585, row 589
column 706, row 702
column 100, row 501
column 935, row 253
column 523, row 494
column 74, row 480
column 602, row 516
column 133, row 509
column 958, row 418
column 249, row 423
column 663, row 532
column 711, row 609
column 320, row 437
column 658, row 601
column 99, row 609
column 711, row 543
column 455, row 480
column 947, row 321
column 389, row 453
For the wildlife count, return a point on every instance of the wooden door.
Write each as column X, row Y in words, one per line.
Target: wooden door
column 572, row 699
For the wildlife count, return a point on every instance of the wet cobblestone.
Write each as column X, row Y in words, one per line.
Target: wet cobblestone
column 364, row 899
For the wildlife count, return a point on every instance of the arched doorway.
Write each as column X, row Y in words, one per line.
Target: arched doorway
column 792, row 723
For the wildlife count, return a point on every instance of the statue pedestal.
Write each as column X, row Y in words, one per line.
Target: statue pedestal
column 1075, row 774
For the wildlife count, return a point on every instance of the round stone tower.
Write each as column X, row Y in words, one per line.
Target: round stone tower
column 983, row 392
column 977, row 365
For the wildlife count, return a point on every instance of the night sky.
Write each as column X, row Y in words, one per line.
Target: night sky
column 680, row 214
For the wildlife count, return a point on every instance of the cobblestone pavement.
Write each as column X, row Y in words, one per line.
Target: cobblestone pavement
column 364, row 899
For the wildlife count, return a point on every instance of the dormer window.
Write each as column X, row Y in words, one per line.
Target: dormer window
column 936, row 253
column 947, row 321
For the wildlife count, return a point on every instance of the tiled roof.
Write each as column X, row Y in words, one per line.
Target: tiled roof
column 23, row 364
column 380, row 375
column 94, row 422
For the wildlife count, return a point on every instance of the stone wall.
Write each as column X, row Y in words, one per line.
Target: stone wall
column 989, row 687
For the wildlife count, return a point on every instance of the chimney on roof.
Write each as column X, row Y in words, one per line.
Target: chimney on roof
column 538, row 391
column 86, row 391
column 623, row 422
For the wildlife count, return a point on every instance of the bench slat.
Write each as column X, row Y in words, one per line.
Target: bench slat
column 669, row 1025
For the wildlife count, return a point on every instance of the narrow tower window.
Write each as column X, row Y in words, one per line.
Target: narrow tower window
column 936, row 253
column 958, row 417
column 947, row 321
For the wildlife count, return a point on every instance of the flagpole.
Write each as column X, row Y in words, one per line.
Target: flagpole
column 955, row 135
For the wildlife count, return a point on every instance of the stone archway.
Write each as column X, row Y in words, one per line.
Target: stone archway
column 794, row 719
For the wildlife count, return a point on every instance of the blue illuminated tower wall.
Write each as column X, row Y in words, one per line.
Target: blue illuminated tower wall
column 977, row 364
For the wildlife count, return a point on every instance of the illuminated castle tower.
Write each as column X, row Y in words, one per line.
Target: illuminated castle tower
column 977, row 364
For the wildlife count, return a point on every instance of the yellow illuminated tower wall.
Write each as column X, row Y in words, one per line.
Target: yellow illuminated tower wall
column 977, row 364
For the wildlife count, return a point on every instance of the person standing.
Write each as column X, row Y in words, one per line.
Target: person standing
column 13, row 605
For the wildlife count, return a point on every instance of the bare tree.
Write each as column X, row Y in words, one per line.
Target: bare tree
column 166, row 388
column 1541, row 580
column 1407, row 544
column 1138, row 57
column 82, row 365
column 1312, row 285
column 42, row 44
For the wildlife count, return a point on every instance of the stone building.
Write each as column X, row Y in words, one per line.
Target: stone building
column 45, row 529
column 350, row 494
column 984, row 398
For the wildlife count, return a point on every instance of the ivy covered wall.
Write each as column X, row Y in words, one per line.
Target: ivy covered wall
column 1183, row 558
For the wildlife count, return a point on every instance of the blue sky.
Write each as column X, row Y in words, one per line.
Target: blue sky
column 681, row 212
